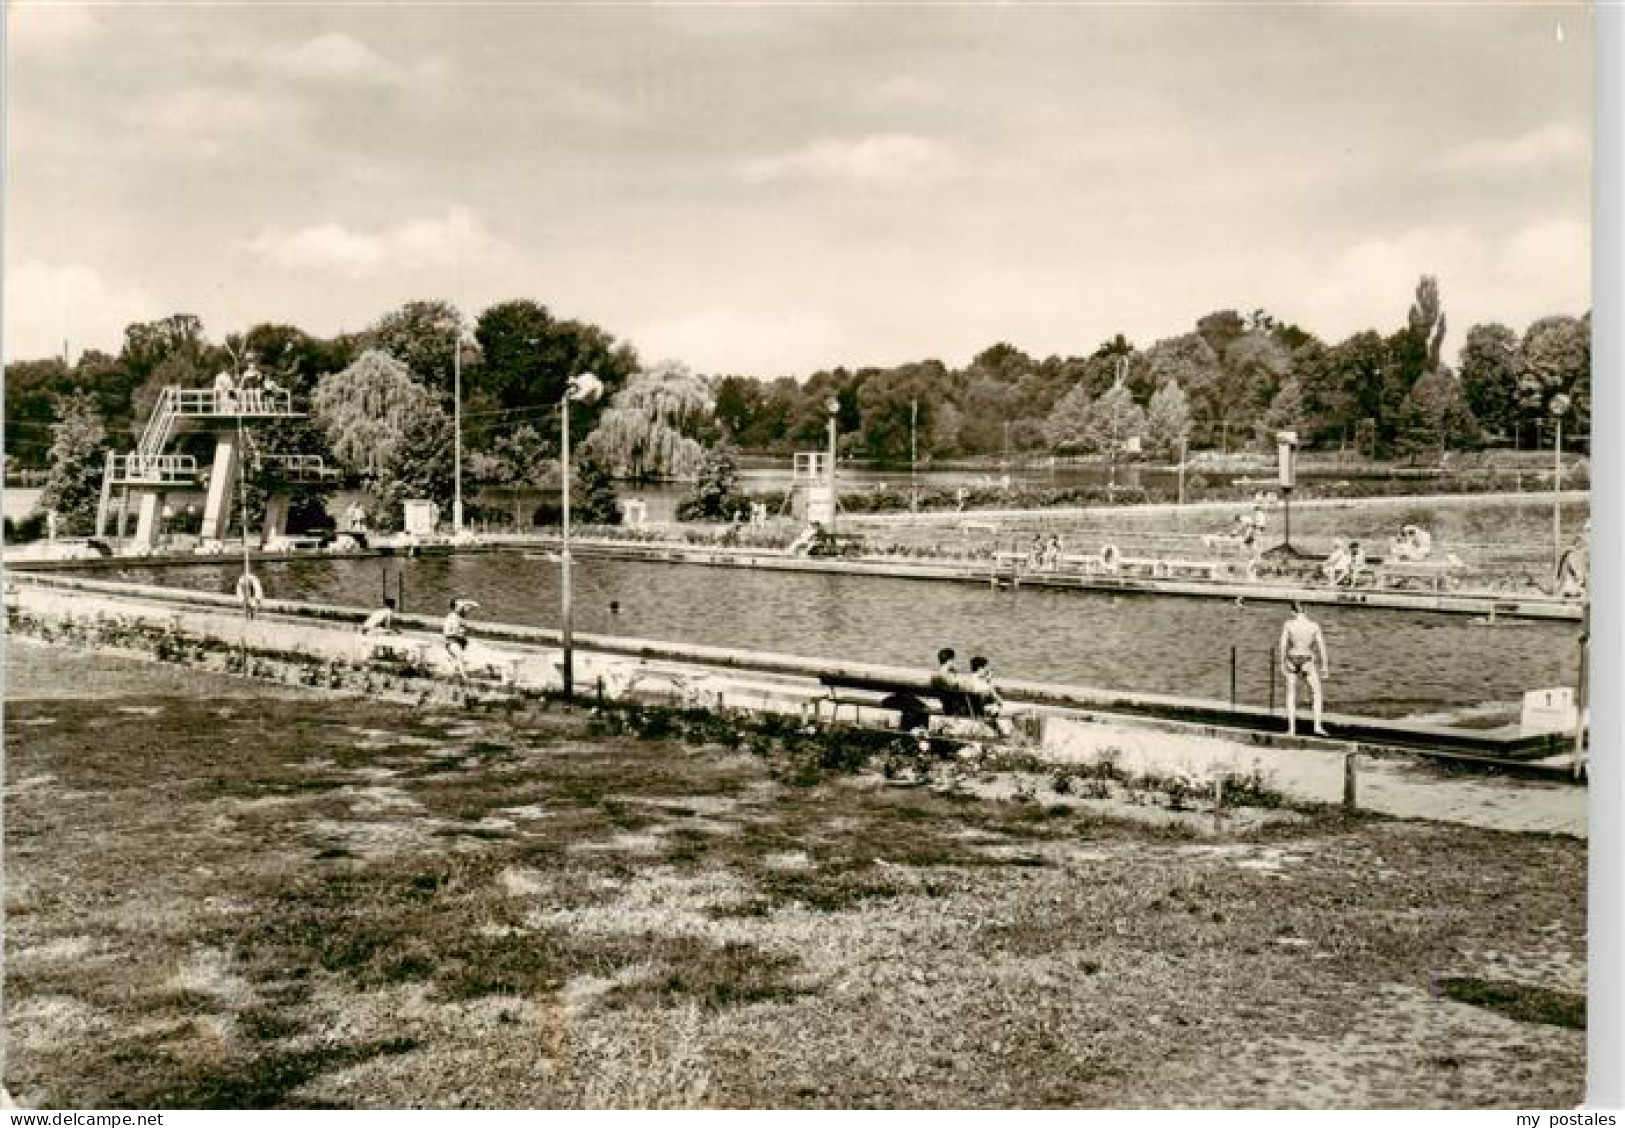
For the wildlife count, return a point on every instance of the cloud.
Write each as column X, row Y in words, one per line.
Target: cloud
column 721, row 340
column 1558, row 145
column 417, row 244
column 907, row 90
column 47, row 302
column 335, row 57
column 891, row 160
column 208, row 122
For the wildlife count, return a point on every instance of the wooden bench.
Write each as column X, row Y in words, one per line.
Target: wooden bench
column 1436, row 573
column 913, row 698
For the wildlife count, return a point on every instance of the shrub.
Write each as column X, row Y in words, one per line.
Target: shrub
column 25, row 530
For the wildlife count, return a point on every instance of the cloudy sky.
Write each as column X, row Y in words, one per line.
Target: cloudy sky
column 772, row 189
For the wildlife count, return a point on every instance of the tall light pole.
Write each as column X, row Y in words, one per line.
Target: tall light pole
column 457, row 430
column 913, row 454
column 1559, row 407
column 585, row 388
column 833, row 406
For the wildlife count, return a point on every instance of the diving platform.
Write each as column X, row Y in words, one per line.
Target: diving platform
column 146, row 474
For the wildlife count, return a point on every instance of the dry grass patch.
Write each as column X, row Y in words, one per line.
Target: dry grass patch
column 351, row 903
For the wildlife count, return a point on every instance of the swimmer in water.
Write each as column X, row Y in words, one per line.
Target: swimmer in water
column 1300, row 639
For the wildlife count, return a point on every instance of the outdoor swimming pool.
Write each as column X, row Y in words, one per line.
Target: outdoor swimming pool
column 1384, row 662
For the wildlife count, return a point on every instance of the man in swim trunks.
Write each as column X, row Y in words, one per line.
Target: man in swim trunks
column 1300, row 639
column 250, row 591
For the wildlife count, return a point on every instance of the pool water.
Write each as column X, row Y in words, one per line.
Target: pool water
column 1383, row 662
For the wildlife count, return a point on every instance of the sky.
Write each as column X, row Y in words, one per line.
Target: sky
column 773, row 189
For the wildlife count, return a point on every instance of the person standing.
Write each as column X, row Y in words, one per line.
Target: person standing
column 251, row 593
column 225, row 392
column 455, row 632
column 1301, row 639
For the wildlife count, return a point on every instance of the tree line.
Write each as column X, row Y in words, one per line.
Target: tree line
column 1228, row 383
column 380, row 400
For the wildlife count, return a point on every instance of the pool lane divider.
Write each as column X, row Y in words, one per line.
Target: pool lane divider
column 325, row 630
column 1486, row 606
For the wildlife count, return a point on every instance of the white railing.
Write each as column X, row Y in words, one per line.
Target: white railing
column 156, row 435
column 305, row 467
column 252, row 401
column 153, row 468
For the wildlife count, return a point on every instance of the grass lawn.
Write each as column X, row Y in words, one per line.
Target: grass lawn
column 220, row 894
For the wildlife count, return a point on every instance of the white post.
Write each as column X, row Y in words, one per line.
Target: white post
column 242, row 494
column 1557, row 502
column 913, row 454
column 834, row 409
column 457, row 443
column 568, row 667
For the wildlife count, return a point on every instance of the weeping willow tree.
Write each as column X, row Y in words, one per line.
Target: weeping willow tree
column 650, row 428
column 364, row 410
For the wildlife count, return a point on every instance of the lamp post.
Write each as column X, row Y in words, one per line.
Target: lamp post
column 1559, row 407
column 913, row 454
column 833, row 406
column 585, row 388
column 457, row 431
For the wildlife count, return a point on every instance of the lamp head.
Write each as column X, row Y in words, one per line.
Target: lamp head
column 585, row 388
column 1560, row 404
column 833, row 405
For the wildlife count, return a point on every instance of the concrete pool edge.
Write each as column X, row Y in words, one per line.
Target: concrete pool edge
column 329, row 629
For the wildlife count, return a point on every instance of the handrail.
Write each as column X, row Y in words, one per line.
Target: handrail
column 153, row 468
column 251, row 401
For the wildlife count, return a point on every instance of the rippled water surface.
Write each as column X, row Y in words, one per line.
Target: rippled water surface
column 1384, row 662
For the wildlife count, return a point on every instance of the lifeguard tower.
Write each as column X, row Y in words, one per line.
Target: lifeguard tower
column 148, row 473
column 812, row 489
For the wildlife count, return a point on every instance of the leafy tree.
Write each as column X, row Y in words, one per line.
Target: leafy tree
column 1068, row 425
column 1427, row 320
column 896, row 406
column 739, row 402
column 364, row 410
column 648, row 432
column 34, row 389
column 527, row 357
column 179, row 369
column 1220, row 328
column 1251, row 368
column 947, row 422
column 420, row 466
column 1436, row 414
column 1346, row 387
column 1555, row 359
column 1113, row 420
column 1490, row 362
column 1187, row 360
column 294, row 357
column 423, row 336
column 521, row 457
column 147, row 344
column 1285, row 413
column 717, row 494
column 77, row 458
column 592, row 491
column 1168, row 420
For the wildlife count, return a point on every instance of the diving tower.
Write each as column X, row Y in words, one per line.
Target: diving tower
column 148, row 473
